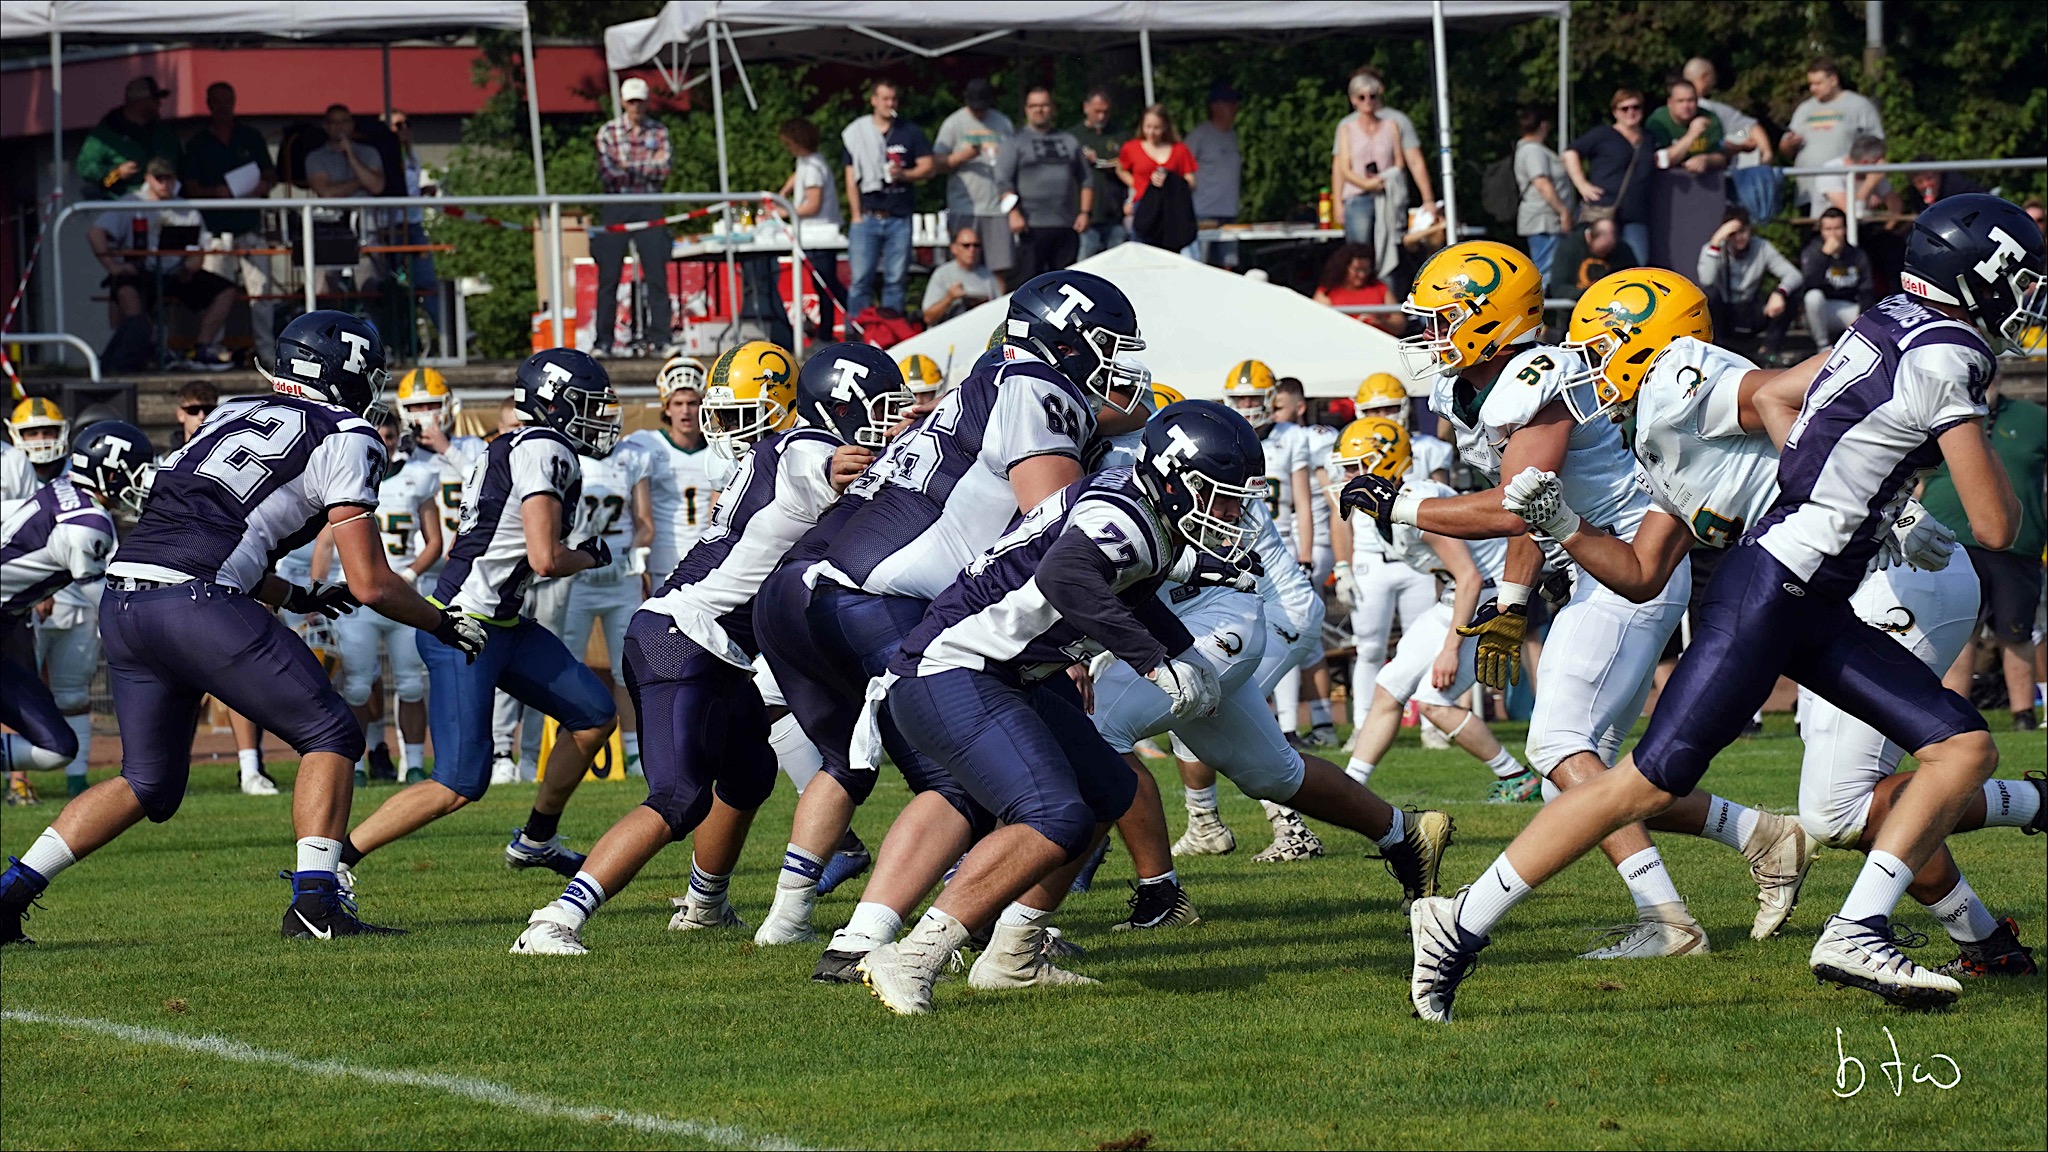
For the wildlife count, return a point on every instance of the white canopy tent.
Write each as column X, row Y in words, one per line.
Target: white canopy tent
column 1197, row 322
column 870, row 31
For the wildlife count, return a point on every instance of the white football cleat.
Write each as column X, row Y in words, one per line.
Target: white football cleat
column 1207, row 835
column 257, row 784
column 1780, row 853
column 1659, row 930
column 504, row 770
column 1864, row 954
column 1292, row 840
column 549, row 933
column 788, row 920
column 1444, row 955
column 1016, row 958
column 902, row 982
column 691, row 917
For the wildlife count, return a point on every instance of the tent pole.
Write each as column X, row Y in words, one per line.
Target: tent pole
column 724, row 175
column 540, row 185
column 57, row 161
column 618, row 106
column 1449, row 190
column 1564, row 75
column 1145, row 62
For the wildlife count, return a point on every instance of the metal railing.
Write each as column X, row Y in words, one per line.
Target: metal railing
column 62, row 340
column 2022, row 163
column 1550, row 305
column 553, row 203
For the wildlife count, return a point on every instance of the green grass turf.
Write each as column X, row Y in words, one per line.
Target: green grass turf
column 1280, row 1020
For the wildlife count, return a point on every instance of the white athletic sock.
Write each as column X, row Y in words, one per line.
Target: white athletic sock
column 1878, row 887
column 1505, row 766
column 707, row 888
column 941, row 928
column 1963, row 915
column 318, row 854
column 50, row 855
column 1170, row 876
column 415, row 755
column 1318, row 712
column 1490, row 897
column 800, row 869
column 583, row 896
column 1019, row 916
column 2010, row 803
column 872, row 926
column 81, row 727
column 1360, row 770
column 1397, row 830
column 252, row 762
column 1200, row 799
column 1729, row 823
column 1649, row 884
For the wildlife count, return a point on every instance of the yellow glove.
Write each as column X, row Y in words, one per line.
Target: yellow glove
column 1498, row 662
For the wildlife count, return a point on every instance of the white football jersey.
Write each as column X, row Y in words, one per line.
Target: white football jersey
column 1287, row 452
column 607, row 505
column 1320, row 440
column 1700, row 465
column 1430, row 456
column 399, row 497
column 17, row 473
column 451, row 471
column 682, row 483
column 1481, row 454
column 1411, row 549
column 1599, row 472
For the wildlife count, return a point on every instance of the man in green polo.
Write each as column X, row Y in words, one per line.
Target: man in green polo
column 2011, row 579
column 223, row 147
column 111, row 160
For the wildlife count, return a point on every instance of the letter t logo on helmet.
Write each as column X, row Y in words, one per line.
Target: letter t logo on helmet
column 358, row 349
column 1073, row 299
column 846, row 378
column 1179, row 446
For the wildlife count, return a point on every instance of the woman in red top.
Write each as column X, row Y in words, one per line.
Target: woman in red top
column 1349, row 279
column 1143, row 163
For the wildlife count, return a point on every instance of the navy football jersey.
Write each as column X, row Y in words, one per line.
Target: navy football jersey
column 487, row 573
column 255, row 483
column 55, row 537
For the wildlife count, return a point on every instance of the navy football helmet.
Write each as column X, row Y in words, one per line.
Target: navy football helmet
column 1079, row 323
column 568, row 391
column 114, row 460
column 331, row 357
column 1985, row 255
column 1201, row 464
column 853, row 391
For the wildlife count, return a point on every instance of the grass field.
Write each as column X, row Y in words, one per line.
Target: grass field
column 161, row 1009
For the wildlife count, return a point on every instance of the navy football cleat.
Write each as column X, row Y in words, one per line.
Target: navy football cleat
column 844, row 865
column 1086, row 877
column 19, row 887
column 523, row 853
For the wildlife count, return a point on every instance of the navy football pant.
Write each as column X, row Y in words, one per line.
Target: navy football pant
column 702, row 725
column 533, row 666
column 167, row 648
column 1029, row 755
column 1757, row 621
column 813, row 686
column 27, row 706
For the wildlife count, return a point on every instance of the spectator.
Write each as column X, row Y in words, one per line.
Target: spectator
column 972, row 140
column 1414, row 163
column 1742, row 136
column 1143, row 163
column 1933, row 186
column 133, row 281
column 111, row 160
column 2010, row 580
column 884, row 156
column 413, row 220
column 1099, row 149
column 1873, row 189
column 1838, row 281
column 1588, row 255
column 1350, row 279
column 222, row 146
column 633, row 155
column 815, row 197
column 1686, row 135
column 1365, row 173
column 1827, row 122
column 2033, row 209
column 1054, row 186
column 1733, row 265
column 1544, row 215
column 344, row 166
column 196, row 401
column 961, row 283
column 1213, row 144
column 1611, row 165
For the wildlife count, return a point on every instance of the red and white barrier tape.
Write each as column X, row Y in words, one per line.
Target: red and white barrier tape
column 456, row 213
column 35, row 250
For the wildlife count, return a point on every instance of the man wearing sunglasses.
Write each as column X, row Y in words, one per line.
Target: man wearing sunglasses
column 961, row 283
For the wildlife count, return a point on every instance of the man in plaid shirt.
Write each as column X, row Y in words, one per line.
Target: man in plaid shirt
column 632, row 156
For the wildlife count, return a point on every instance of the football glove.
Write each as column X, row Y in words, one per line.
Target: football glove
column 1498, row 661
column 1189, row 683
column 600, row 553
column 462, row 632
column 1556, row 586
column 1347, row 589
column 1538, row 498
column 1374, row 496
column 1921, row 540
column 1194, row 566
column 329, row 600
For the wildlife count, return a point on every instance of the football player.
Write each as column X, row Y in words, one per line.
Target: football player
column 1698, row 436
column 516, row 521
column 925, row 379
column 690, row 651
column 184, row 613
column 1902, row 391
column 618, row 506
column 679, row 483
column 1481, row 307
column 1312, row 708
column 38, row 438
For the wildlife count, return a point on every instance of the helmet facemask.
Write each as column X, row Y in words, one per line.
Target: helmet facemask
column 1131, row 377
column 1216, row 524
column 885, row 412
column 1435, row 348
column 1603, row 354
column 2025, row 331
column 1257, row 415
column 732, row 426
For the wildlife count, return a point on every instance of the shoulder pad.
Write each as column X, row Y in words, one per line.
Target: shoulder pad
column 1532, row 380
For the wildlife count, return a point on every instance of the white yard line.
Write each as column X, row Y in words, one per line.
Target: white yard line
column 468, row 1087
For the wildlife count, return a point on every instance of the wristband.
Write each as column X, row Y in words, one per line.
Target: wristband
column 1513, row 595
column 1405, row 506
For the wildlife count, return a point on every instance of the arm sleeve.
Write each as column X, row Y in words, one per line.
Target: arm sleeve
column 88, row 541
column 1710, row 263
column 1078, row 579
column 1409, row 137
column 803, row 483
column 1032, row 417
column 1789, row 279
column 344, row 469
column 1944, row 383
column 541, row 466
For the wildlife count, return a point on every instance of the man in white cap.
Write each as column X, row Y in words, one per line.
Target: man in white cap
column 632, row 156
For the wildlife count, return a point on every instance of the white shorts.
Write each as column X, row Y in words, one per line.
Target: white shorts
column 610, row 604
column 1933, row 614
column 764, row 682
column 360, row 633
column 1242, row 741
column 1407, row 676
column 1290, row 644
column 1383, row 588
column 68, row 651
column 1230, row 633
column 1597, row 666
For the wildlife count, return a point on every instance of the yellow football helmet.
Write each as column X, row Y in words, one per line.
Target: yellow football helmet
column 1381, row 390
column 1620, row 326
column 998, row 336
column 751, row 393
column 1473, row 299
column 1164, row 394
column 679, row 372
column 1371, row 445
column 38, row 428
column 424, row 398
column 921, row 374
column 1249, row 390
